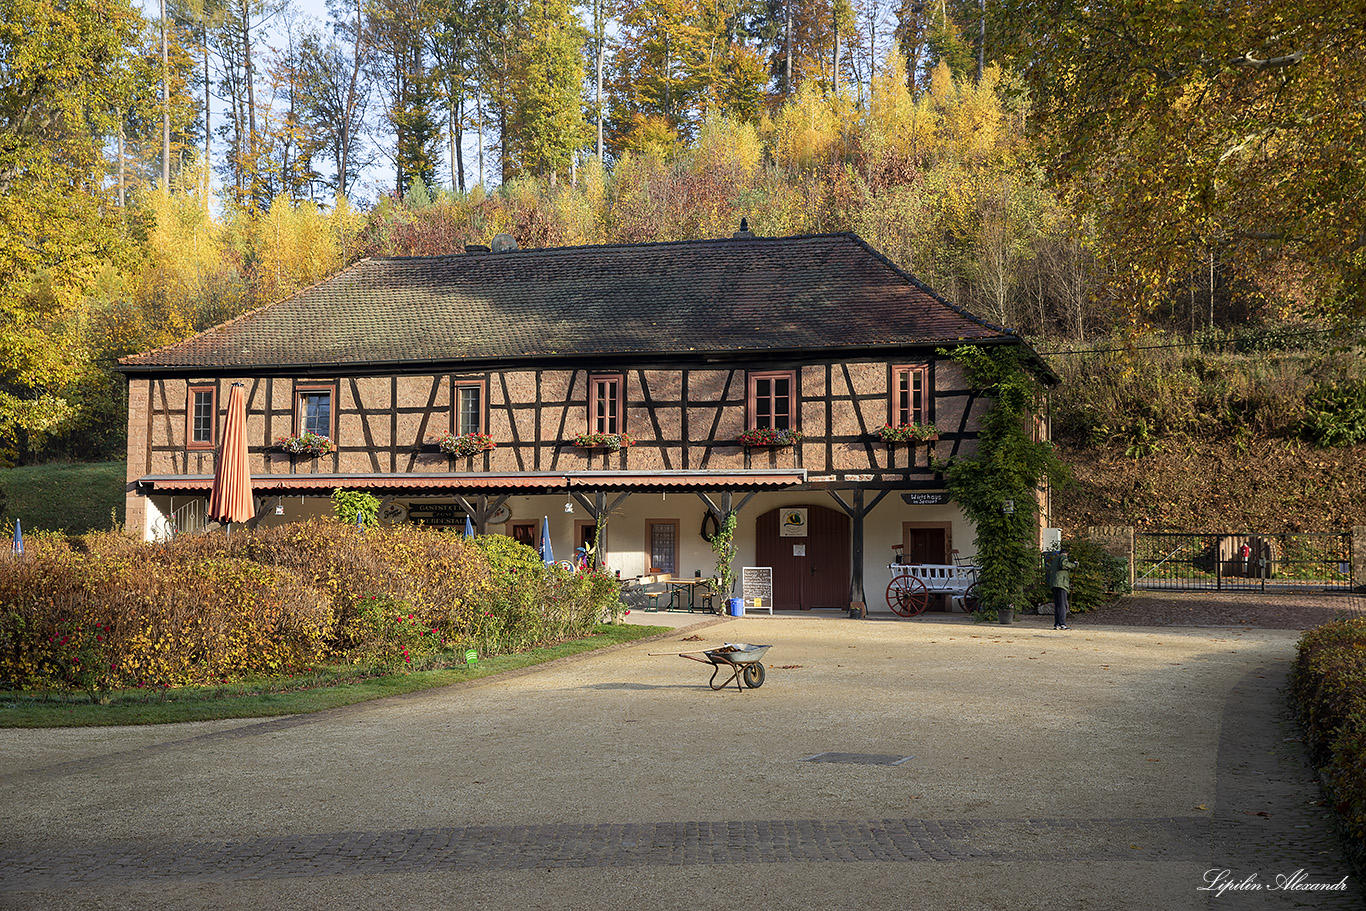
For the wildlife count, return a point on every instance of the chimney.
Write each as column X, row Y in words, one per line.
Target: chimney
column 744, row 231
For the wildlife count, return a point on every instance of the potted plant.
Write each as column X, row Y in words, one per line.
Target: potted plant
column 609, row 441
column 465, row 444
column 311, row 444
column 768, row 436
column 908, row 433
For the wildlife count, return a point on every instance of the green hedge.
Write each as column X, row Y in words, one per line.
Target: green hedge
column 1097, row 580
column 1328, row 684
column 104, row 611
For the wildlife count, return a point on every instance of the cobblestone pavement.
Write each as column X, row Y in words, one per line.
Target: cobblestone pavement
column 617, row 845
column 1132, row 768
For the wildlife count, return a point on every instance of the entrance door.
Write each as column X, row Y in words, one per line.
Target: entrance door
column 925, row 542
column 811, row 570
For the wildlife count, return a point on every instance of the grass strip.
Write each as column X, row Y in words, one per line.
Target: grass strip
column 321, row 688
column 64, row 496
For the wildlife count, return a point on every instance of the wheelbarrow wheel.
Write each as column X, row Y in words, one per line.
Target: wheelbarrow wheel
column 754, row 675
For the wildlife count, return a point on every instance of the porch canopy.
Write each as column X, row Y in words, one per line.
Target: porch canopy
column 455, row 483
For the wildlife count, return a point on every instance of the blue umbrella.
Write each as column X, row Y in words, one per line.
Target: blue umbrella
column 469, row 527
column 547, row 553
column 18, row 539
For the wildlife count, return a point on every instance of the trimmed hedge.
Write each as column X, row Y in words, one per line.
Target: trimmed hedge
column 103, row 611
column 1328, row 684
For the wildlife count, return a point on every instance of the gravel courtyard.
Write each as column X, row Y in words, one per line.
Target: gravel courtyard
column 934, row 763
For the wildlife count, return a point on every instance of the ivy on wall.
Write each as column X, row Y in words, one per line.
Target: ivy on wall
column 997, row 488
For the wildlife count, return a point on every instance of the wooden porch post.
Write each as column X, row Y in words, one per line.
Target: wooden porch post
column 601, row 511
column 856, row 511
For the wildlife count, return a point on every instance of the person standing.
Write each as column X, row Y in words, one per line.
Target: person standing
column 1060, row 580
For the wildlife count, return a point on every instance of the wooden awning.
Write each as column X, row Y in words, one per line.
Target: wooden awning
column 457, row 482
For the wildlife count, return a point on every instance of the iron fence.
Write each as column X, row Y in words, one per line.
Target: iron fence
column 1185, row 561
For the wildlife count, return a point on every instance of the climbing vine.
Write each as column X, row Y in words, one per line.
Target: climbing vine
column 723, row 545
column 997, row 488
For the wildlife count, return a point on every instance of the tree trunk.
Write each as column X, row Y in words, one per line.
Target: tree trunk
column 165, row 108
column 342, row 186
column 252, row 160
column 123, row 196
column 208, row 127
column 598, row 94
column 460, row 143
column 787, row 64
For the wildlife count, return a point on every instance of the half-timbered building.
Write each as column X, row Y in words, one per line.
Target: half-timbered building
column 744, row 373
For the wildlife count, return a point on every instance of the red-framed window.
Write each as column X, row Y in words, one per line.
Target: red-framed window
column 315, row 409
column 606, row 409
column 773, row 400
column 468, row 398
column 910, row 395
column 201, row 417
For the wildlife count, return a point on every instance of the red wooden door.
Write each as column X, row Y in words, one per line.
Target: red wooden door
column 810, row 571
column 927, row 545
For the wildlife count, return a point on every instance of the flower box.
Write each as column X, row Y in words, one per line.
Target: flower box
column 908, row 433
column 769, row 437
column 609, row 441
column 465, row 444
column 310, row 444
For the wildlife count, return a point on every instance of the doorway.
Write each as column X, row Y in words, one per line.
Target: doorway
column 810, row 570
column 926, row 542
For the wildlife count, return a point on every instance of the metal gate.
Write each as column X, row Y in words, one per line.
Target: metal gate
column 1232, row 562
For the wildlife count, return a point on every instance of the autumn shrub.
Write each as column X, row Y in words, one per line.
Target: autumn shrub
column 1328, row 685
column 425, row 570
column 526, row 604
column 103, row 611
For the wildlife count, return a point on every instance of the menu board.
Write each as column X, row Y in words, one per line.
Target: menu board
column 757, row 582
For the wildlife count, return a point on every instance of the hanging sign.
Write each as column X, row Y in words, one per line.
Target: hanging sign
column 927, row 498
column 440, row 514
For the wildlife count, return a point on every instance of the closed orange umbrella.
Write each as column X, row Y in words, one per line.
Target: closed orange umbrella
column 231, row 498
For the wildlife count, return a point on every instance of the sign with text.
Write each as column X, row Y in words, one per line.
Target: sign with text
column 757, row 582
column 440, row 514
column 926, row 498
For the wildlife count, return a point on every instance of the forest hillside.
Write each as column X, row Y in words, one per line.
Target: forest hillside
column 1253, row 431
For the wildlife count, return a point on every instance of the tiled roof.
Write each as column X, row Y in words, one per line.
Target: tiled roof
column 728, row 295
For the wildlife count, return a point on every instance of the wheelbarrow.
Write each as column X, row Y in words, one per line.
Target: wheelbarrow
column 740, row 658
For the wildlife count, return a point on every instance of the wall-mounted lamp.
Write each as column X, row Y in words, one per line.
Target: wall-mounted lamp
column 1008, row 507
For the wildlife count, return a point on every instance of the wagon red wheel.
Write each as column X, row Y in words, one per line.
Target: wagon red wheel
column 972, row 599
column 907, row 595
